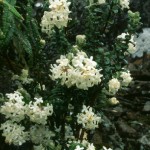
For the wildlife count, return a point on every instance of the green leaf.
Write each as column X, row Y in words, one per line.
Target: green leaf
column 12, row 9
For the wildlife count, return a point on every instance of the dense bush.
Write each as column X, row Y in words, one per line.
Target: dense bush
column 66, row 63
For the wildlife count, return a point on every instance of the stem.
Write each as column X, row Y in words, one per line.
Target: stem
column 109, row 15
column 81, row 134
column 95, row 95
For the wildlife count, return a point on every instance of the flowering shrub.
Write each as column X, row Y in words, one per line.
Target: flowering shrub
column 66, row 59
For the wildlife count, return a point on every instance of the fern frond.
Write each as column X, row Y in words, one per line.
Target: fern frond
column 8, row 24
column 12, row 9
column 21, row 41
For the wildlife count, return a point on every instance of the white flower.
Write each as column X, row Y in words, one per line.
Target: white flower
column 84, row 143
column 16, row 96
column 79, row 148
column 113, row 101
column 131, row 44
column 68, row 132
column 23, row 77
column 63, row 61
column 126, row 76
column 39, row 147
column 42, row 42
column 90, row 147
column 114, row 85
column 58, row 15
column 104, row 148
column 38, row 113
column 76, row 70
column 124, row 3
column 88, row 118
column 80, row 40
column 15, row 107
column 41, row 135
column 101, row 1
column 14, row 133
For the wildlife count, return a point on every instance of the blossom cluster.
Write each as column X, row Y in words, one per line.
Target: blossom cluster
column 39, row 147
column 88, row 118
column 37, row 113
column 14, row 133
column 68, row 132
column 24, row 77
column 124, row 3
column 115, row 84
column 104, row 148
column 57, row 16
column 76, row 70
column 99, row 2
column 113, row 101
column 131, row 44
column 15, row 110
column 41, row 134
column 126, row 76
column 81, row 145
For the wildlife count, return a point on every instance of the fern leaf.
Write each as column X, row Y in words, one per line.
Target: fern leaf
column 12, row 9
column 8, row 25
column 22, row 42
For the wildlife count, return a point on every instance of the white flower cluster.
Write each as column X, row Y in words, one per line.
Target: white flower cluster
column 101, row 1
column 124, row 3
column 39, row 147
column 80, row 40
column 98, row 1
column 114, row 85
column 23, row 77
column 88, row 118
column 40, row 134
column 132, row 43
column 113, row 101
column 76, row 70
column 68, row 132
column 126, row 76
column 90, row 147
column 79, row 148
column 15, row 108
column 104, row 148
column 84, row 144
column 37, row 112
column 14, row 133
column 58, row 15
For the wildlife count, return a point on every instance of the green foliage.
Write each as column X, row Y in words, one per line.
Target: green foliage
column 101, row 33
column 12, row 9
column 8, row 25
column 134, row 21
